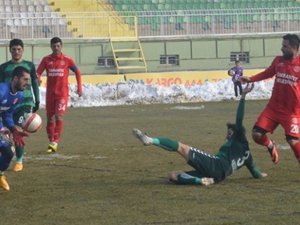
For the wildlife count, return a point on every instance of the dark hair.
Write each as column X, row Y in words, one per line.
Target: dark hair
column 15, row 42
column 19, row 71
column 55, row 40
column 240, row 134
column 293, row 40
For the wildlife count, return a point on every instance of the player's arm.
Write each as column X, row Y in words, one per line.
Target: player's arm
column 76, row 70
column 35, row 87
column 255, row 172
column 2, row 75
column 266, row 74
column 231, row 72
column 40, row 70
column 7, row 117
column 7, row 120
column 241, row 107
column 16, row 131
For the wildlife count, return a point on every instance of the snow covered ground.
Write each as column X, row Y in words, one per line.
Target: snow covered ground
column 127, row 93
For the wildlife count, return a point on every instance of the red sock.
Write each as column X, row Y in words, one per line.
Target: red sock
column 58, row 130
column 263, row 140
column 50, row 130
column 296, row 149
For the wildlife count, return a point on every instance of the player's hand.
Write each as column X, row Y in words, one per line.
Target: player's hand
column 263, row 175
column 36, row 107
column 244, row 79
column 18, row 135
column 248, row 88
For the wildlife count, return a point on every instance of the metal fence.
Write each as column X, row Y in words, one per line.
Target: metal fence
column 150, row 24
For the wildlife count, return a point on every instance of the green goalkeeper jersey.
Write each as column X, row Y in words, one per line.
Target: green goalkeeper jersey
column 31, row 92
column 236, row 149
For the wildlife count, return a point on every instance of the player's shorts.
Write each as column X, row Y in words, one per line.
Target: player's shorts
column 19, row 115
column 207, row 165
column 269, row 120
column 56, row 105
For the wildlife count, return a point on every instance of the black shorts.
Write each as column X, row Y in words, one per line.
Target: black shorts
column 207, row 165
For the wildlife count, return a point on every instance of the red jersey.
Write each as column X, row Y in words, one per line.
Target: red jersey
column 285, row 98
column 57, row 69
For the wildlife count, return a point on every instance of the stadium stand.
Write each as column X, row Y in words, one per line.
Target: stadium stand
column 28, row 19
column 155, row 18
column 144, row 5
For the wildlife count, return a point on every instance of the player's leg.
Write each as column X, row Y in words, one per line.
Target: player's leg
column 165, row 143
column 201, row 161
column 52, row 147
column 235, row 89
column 264, row 124
column 240, row 87
column 60, row 109
column 50, row 111
column 291, row 127
column 191, row 177
column 295, row 145
column 57, row 108
column 19, row 117
column 59, row 123
column 6, row 155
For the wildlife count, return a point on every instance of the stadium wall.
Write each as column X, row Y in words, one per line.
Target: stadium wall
column 203, row 54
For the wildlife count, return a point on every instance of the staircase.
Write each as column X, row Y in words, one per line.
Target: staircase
column 88, row 18
column 127, row 51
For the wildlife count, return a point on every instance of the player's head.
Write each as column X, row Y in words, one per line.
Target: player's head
column 237, row 62
column 16, row 48
column 231, row 131
column 290, row 45
column 56, row 45
column 20, row 78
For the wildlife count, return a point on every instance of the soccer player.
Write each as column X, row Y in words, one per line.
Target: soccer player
column 284, row 105
column 236, row 72
column 11, row 94
column 57, row 66
column 31, row 100
column 232, row 155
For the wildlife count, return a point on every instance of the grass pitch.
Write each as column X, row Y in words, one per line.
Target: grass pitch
column 103, row 175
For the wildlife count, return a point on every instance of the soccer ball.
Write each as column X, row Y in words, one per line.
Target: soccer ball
column 231, row 72
column 32, row 122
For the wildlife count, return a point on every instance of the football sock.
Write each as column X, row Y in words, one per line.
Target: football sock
column 19, row 153
column 296, row 149
column 165, row 143
column 58, row 130
column 50, row 130
column 184, row 178
column 265, row 141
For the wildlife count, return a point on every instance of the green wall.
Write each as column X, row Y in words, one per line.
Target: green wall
column 194, row 54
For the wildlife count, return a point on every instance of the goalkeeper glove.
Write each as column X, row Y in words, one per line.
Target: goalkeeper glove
column 18, row 136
